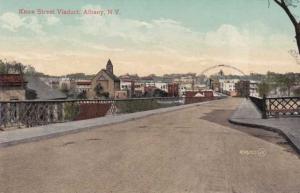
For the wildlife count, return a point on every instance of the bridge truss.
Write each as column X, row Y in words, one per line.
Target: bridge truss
column 220, row 66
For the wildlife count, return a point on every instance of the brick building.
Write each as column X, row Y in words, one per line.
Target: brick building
column 12, row 87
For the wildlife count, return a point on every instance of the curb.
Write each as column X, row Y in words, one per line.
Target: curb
column 268, row 128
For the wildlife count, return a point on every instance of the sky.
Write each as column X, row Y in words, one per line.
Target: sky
column 148, row 37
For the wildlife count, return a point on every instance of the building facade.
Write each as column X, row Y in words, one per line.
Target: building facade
column 12, row 87
column 173, row 90
column 253, row 88
column 243, row 88
column 83, row 86
column 105, row 83
column 228, row 86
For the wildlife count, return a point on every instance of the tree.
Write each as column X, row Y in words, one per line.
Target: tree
column 2, row 67
column 263, row 89
column 105, row 95
column 286, row 82
column 11, row 67
column 296, row 91
column 159, row 93
column 100, row 91
column 152, row 75
column 30, row 94
column 82, row 95
column 14, row 67
column 30, row 70
column 285, row 5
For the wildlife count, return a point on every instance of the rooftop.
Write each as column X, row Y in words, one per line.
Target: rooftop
column 11, row 80
column 43, row 91
column 87, row 82
column 111, row 75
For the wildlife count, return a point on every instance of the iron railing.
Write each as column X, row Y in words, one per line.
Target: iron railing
column 33, row 113
column 277, row 106
column 286, row 106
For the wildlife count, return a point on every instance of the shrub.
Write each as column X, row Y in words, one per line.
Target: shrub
column 71, row 110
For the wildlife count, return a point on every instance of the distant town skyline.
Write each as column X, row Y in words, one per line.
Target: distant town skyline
column 147, row 37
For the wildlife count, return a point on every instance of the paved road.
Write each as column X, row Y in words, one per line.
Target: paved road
column 191, row 150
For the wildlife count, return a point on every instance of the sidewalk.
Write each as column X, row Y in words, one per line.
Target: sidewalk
column 14, row 137
column 248, row 115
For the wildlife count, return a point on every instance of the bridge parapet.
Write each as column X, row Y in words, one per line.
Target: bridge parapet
column 277, row 106
column 34, row 113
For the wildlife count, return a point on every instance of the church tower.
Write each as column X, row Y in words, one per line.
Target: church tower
column 110, row 67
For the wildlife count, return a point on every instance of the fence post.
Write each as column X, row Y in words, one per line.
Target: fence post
column 264, row 107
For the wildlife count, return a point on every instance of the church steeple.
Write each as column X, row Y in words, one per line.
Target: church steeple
column 110, row 67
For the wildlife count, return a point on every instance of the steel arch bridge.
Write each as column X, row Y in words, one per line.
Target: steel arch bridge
column 222, row 65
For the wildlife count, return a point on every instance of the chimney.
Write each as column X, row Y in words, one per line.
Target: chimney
column 110, row 67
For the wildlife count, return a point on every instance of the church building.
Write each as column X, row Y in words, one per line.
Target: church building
column 105, row 83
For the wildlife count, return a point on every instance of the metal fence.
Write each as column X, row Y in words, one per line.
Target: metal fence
column 34, row 113
column 277, row 106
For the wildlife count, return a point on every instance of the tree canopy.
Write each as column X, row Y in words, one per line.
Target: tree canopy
column 13, row 67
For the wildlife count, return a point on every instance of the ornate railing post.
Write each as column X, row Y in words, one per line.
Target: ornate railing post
column 264, row 107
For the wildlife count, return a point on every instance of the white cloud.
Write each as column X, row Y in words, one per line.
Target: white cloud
column 52, row 20
column 150, row 35
column 34, row 25
column 226, row 35
column 13, row 22
column 168, row 35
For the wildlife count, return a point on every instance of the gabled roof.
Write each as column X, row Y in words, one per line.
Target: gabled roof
column 112, row 76
column 43, row 91
column 11, row 80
